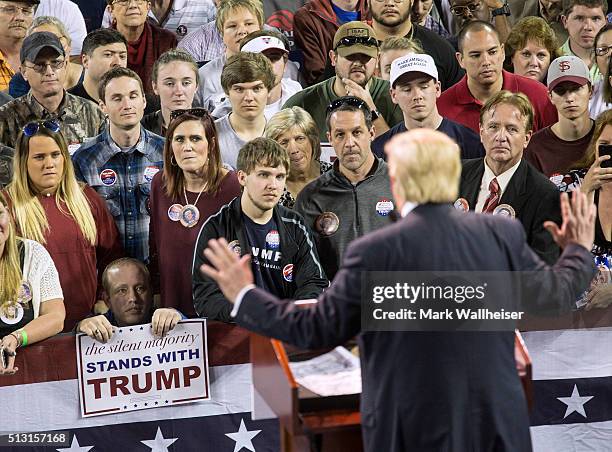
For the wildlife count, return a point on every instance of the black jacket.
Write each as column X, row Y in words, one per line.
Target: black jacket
column 455, row 391
column 298, row 249
column 533, row 196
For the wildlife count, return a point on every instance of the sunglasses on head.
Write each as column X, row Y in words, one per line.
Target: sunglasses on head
column 32, row 128
column 197, row 112
column 352, row 40
column 347, row 100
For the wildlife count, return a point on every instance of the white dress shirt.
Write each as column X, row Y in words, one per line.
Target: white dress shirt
column 503, row 180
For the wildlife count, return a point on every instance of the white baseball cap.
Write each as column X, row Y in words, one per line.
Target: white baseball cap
column 414, row 62
column 261, row 43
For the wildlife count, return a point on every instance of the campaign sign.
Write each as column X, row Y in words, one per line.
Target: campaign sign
column 136, row 370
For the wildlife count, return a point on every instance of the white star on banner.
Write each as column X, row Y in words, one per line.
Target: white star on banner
column 243, row 437
column 159, row 444
column 75, row 446
column 575, row 403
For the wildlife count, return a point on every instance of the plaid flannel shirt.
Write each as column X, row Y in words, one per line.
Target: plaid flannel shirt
column 123, row 179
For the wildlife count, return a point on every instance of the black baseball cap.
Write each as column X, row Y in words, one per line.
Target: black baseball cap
column 33, row 44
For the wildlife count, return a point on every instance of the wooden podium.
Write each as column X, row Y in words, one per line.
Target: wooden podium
column 332, row 423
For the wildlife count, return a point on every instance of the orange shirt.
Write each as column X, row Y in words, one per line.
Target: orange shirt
column 6, row 73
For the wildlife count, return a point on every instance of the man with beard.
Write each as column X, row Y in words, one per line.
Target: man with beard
column 354, row 197
column 392, row 18
column 354, row 57
column 15, row 19
column 481, row 54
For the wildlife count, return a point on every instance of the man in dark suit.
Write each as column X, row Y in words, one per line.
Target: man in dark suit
column 424, row 391
column 503, row 182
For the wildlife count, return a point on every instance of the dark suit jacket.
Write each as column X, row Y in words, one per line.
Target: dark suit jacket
column 534, row 198
column 428, row 391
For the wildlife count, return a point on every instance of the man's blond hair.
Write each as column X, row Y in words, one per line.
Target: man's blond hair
column 425, row 166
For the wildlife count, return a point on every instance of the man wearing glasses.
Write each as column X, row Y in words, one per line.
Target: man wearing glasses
column 494, row 11
column 354, row 197
column 15, row 19
column 354, row 58
column 43, row 65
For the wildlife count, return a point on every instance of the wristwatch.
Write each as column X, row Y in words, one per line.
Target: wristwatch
column 504, row 10
column 375, row 114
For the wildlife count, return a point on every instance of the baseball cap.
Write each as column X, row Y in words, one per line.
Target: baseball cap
column 567, row 69
column 355, row 37
column 261, row 43
column 415, row 62
column 33, row 44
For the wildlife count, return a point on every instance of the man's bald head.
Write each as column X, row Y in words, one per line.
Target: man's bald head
column 424, row 167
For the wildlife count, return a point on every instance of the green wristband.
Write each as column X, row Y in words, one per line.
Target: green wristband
column 24, row 338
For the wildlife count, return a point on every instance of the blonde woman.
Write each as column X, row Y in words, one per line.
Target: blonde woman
column 19, row 86
column 295, row 130
column 31, row 305
column 69, row 219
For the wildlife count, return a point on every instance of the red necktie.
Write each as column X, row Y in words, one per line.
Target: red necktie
column 493, row 199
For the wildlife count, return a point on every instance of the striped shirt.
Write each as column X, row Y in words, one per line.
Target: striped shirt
column 204, row 44
column 184, row 17
column 123, row 179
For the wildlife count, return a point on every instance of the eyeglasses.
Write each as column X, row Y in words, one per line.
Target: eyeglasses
column 352, row 40
column 32, row 128
column 347, row 100
column 602, row 51
column 125, row 3
column 41, row 68
column 197, row 112
column 461, row 10
column 395, row 1
column 13, row 10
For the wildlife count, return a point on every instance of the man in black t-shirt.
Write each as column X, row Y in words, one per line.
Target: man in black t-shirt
column 274, row 239
column 393, row 19
column 415, row 88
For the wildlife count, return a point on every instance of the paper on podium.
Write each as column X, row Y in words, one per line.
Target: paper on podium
column 334, row 373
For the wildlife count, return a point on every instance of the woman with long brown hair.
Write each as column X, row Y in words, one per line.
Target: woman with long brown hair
column 593, row 176
column 193, row 186
column 67, row 217
column 31, row 300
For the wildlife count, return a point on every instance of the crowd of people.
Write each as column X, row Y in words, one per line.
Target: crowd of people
column 126, row 149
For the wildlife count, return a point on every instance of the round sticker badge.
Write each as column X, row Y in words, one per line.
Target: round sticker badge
column 288, row 272
column 148, row 174
column 384, row 207
column 234, row 246
column 273, row 239
column 327, row 223
column 189, row 216
column 462, row 205
column 11, row 314
column 174, row 212
column 25, row 293
column 108, row 177
column 506, row 210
